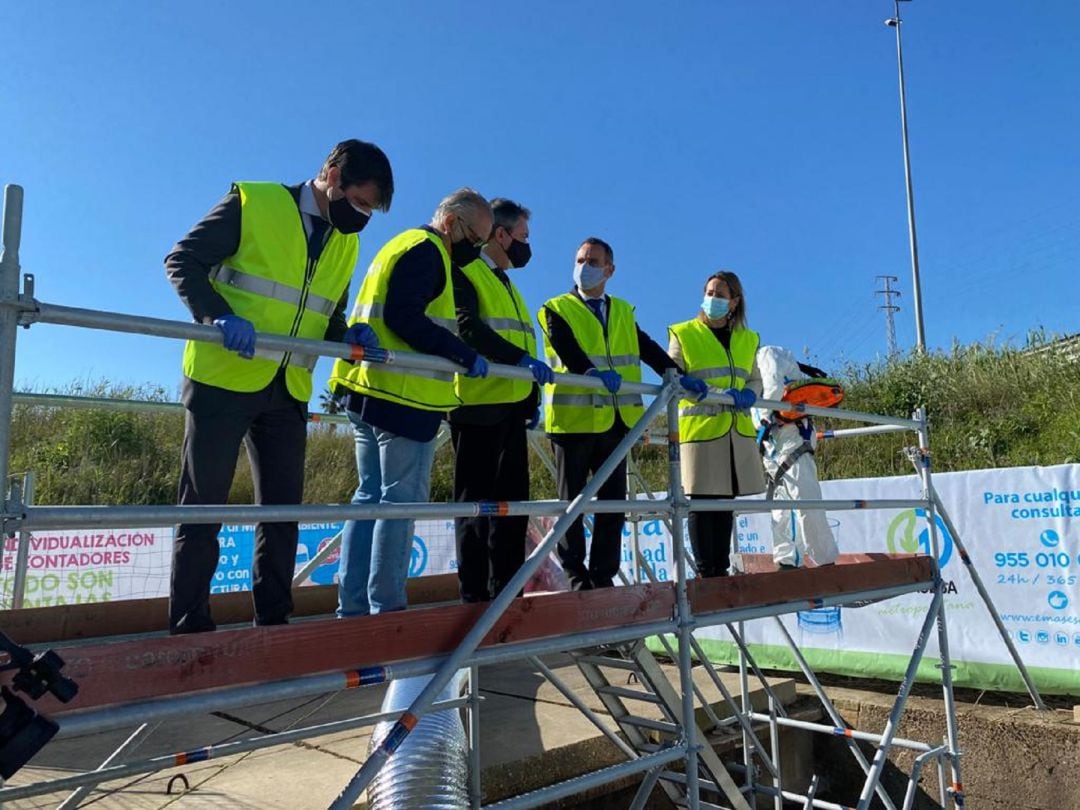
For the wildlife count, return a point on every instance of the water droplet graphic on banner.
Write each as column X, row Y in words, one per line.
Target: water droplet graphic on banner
column 823, row 621
column 909, row 534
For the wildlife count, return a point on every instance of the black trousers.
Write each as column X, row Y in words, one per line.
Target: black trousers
column 710, row 538
column 491, row 463
column 577, row 456
column 273, row 426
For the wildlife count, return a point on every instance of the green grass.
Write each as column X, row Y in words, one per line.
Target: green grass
column 989, row 407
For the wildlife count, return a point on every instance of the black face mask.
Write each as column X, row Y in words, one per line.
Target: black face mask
column 344, row 217
column 519, row 253
column 463, row 252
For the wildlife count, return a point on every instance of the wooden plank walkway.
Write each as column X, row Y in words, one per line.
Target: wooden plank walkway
column 122, row 671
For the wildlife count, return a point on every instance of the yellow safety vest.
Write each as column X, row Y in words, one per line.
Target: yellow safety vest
column 573, row 409
column 271, row 282
column 426, row 390
column 705, row 357
column 503, row 309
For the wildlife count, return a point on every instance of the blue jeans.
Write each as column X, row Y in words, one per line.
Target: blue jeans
column 375, row 554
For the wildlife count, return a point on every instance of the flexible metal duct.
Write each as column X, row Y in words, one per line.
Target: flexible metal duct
column 429, row 770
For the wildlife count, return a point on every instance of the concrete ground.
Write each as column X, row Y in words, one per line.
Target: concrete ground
column 530, row 736
column 1014, row 759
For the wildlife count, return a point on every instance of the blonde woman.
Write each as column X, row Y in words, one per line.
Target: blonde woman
column 720, row 458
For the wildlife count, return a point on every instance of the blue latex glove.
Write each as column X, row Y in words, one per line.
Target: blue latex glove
column 360, row 334
column 695, row 386
column 611, row 379
column 744, row 398
column 479, row 368
column 239, row 334
column 541, row 371
column 533, row 423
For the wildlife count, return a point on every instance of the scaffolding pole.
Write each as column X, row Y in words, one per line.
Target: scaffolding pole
column 18, row 515
column 679, row 506
column 881, row 755
column 956, row 787
column 422, row 704
column 984, row 594
column 11, row 237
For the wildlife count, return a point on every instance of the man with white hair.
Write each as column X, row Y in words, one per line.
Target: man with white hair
column 407, row 298
column 788, row 446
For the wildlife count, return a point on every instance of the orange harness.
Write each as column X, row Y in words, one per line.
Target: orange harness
column 820, row 392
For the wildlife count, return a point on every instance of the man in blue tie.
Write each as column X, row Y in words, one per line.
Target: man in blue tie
column 590, row 332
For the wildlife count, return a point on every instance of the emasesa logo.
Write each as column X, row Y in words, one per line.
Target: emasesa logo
column 418, row 558
column 909, row 533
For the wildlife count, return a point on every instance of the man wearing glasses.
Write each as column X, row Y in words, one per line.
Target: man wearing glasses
column 489, row 431
column 407, row 299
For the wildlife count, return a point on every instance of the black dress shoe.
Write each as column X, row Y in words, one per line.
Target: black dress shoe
column 710, row 573
column 580, row 582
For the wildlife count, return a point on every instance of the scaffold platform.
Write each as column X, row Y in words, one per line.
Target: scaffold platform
column 131, row 675
column 125, row 671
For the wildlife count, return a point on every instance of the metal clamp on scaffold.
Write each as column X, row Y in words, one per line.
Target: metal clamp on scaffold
column 12, row 511
column 24, row 302
column 24, row 732
column 919, row 456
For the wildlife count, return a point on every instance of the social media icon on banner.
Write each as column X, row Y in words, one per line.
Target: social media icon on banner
column 1058, row 600
column 1076, row 639
column 1061, row 639
column 1024, row 636
column 1042, row 637
column 1049, row 538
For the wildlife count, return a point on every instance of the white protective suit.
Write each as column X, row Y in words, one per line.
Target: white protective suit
column 797, row 533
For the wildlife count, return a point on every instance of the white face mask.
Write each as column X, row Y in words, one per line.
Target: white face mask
column 588, row 277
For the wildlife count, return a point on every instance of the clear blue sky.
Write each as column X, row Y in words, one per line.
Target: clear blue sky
column 694, row 136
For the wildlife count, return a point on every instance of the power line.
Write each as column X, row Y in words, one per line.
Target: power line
column 858, row 340
column 890, row 309
column 839, row 352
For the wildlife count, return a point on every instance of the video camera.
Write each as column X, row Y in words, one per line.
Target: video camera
column 24, row 732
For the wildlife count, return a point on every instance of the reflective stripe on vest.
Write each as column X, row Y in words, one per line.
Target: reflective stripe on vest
column 307, row 361
column 596, row 399
column 272, row 282
column 599, row 360
column 426, row 390
column 366, row 312
column 574, row 409
column 223, row 274
column 705, row 357
column 501, row 307
column 721, row 371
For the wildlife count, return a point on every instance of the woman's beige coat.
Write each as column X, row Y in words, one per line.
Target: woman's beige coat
column 707, row 466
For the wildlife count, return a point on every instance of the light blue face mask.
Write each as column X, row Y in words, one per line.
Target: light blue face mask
column 715, row 308
column 587, row 277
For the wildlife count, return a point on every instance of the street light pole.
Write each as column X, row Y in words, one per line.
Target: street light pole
column 916, row 286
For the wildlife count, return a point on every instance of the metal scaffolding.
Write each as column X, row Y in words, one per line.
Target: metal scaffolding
column 692, row 604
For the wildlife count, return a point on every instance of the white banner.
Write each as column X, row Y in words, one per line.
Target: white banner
column 99, row 565
column 109, row 565
column 1021, row 527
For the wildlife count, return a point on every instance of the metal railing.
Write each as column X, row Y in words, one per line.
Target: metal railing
column 19, row 515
